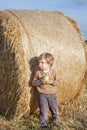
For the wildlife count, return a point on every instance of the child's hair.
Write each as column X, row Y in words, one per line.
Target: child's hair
column 48, row 57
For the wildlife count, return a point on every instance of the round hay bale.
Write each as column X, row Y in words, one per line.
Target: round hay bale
column 85, row 77
column 26, row 34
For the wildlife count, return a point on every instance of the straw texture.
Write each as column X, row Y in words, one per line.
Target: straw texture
column 25, row 34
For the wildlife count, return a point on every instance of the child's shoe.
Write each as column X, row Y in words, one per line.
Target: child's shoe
column 44, row 124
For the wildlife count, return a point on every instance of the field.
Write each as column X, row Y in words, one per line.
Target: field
column 74, row 120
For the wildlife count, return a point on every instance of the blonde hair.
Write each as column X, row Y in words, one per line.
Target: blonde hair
column 48, row 57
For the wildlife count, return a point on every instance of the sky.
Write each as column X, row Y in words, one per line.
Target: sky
column 76, row 9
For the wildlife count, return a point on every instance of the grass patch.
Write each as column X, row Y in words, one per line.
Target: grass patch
column 74, row 120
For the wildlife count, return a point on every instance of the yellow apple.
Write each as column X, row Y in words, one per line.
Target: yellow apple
column 46, row 78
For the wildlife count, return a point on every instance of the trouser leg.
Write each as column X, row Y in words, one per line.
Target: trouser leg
column 53, row 105
column 43, row 106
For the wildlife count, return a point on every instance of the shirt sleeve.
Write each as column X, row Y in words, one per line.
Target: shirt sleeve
column 56, row 79
column 35, row 79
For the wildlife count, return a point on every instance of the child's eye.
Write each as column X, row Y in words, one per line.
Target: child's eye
column 41, row 62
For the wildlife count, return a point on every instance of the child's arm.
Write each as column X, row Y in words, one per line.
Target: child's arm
column 56, row 80
column 36, row 82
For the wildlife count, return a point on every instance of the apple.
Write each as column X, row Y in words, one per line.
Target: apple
column 46, row 78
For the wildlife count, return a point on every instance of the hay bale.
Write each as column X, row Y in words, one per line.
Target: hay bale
column 24, row 35
column 85, row 77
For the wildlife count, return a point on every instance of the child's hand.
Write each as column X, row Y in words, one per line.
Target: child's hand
column 39, row 81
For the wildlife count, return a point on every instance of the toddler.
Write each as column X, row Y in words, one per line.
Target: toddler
column 45, row 80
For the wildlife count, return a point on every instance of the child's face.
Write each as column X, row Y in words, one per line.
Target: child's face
column 43, row 65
